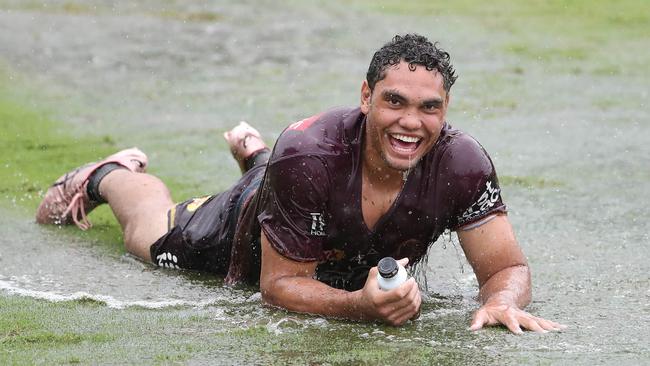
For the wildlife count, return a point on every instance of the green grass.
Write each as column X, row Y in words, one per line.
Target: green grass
column 205, row 16
column 529, row 182
column 576, row 35
column 36, row 150
column 167, row 10
column 592, row 18
column 73, row 332
column 27, row 332
column 584, row 36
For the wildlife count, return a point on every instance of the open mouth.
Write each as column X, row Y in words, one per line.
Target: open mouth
column 403, row 143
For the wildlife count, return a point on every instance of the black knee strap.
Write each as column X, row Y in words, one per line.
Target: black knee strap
column 96, row 177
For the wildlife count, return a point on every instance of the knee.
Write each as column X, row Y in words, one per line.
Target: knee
column 138, row 243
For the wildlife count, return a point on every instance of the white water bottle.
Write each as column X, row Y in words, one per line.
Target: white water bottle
column 391, row 274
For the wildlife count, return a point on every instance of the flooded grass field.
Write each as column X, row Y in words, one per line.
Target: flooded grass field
column 556, row 91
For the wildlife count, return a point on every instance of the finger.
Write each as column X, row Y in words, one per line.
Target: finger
column 511, row 323
column 410, row 304
column 371, row 280
column 403, row 262
column 405, row 304
column 373, row 272
column 408, row 290
column 418, row 305
column 387, row 302
column 556, row 325
column 531, row 323
column 412, row 285
column 374, row 296
column 550, row 325
column 479, row 320
column 400, row 319
column 402, row 315
column 400, row 295
column 415, row 296
column 417, row 299
column 417, row 314
column 412, row 291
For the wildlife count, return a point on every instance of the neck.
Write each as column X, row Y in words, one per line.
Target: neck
column 377, row 173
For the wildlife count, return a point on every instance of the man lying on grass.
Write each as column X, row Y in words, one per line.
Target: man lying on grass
column 340, row 190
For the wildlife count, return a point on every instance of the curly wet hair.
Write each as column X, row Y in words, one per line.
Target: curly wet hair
column 415, row 50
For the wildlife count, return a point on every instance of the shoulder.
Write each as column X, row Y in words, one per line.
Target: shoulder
column 334, row 116
column 326, row 133
column 462, row 155
column 468, row 179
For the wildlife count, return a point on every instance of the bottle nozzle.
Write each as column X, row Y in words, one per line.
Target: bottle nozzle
column 388, row 267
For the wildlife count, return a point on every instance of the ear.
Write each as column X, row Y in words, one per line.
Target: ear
column 366, row 94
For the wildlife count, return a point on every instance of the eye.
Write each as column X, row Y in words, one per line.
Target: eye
column 394, row 100
column 431, row 107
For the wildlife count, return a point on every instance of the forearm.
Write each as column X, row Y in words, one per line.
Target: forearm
column 307, row 295
column 510, row 286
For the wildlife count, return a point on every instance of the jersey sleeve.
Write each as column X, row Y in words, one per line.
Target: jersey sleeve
column 472, row 183
column 292, row 211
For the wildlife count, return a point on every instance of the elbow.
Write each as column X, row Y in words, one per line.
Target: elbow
column 266, row 290
column 268, row 298
column 271, row 290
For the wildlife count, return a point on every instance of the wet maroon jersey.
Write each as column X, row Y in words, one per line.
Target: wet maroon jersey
column 309, row 205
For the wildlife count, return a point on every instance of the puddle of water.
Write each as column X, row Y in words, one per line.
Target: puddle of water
column 169, row 80
column 43, row 263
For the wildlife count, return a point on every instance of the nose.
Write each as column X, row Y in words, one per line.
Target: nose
column 410, row 120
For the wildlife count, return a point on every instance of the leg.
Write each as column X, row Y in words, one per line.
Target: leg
column 68, row 200
column 140, row 203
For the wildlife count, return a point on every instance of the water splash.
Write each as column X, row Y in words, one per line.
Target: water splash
column 113, row 302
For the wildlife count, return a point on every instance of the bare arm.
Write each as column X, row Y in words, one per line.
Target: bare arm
column 499, row 264
column 503, row 276
column 290, row 284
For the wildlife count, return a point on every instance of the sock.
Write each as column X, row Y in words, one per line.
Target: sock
column 257, row 158
column 93, row 181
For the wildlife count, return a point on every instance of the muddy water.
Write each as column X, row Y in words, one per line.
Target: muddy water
column 571, row 149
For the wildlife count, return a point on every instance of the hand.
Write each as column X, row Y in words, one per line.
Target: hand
column 394, row 307
column 512, row 317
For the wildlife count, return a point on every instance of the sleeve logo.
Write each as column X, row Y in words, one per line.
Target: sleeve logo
column 484, row 203
column 317, row 224
column 304, row 124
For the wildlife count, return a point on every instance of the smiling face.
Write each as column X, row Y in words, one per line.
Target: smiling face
column 405, row 113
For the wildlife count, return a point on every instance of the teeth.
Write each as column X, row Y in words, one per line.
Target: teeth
column 405, row 138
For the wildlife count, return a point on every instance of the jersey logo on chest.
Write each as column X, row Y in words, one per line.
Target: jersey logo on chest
column 317, row 224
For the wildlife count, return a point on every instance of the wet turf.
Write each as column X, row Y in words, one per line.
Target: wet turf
column 570, row 56
column 36, row 150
